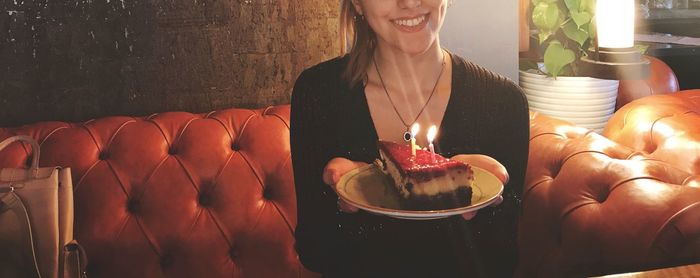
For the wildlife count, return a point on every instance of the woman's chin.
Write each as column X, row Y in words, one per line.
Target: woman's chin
column 415, row 49
column 416, row 46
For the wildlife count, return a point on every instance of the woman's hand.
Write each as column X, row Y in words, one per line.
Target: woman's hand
column 489, row 164
column 335, row 169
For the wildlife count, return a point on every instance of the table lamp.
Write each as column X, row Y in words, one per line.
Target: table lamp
column 613, row 55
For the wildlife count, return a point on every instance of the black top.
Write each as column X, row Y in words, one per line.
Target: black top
column 486, row 114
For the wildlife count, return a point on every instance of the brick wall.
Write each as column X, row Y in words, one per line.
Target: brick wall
column 73, row 60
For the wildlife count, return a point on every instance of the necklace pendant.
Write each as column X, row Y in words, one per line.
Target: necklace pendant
column 407, row 136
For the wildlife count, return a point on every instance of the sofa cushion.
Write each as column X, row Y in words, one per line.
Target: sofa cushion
column 177, row 194
column 592, row 206
column 665, row 127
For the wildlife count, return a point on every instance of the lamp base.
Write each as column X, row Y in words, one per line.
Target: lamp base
column 615, row 63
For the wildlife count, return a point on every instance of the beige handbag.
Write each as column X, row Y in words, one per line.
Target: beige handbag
column 36, row 221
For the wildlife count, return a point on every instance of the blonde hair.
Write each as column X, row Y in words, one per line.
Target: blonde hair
column 357, row 41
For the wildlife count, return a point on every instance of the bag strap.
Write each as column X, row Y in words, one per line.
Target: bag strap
column 35, row 149
column 7, row 199
column 75, row 261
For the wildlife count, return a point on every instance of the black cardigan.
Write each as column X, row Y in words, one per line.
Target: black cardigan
column 486, row 114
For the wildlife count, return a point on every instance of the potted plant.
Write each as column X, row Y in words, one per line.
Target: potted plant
column 563, row 31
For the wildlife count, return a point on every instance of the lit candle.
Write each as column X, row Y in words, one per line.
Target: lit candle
column 432, row 132
column 414, row 131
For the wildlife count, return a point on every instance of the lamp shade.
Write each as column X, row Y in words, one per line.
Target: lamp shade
column 615, row 23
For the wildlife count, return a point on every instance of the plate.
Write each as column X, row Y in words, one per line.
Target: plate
column 369, row 189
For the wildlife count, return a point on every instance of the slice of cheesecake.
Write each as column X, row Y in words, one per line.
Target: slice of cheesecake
column 426, row 181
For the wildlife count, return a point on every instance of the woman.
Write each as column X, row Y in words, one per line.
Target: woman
column 394, row 74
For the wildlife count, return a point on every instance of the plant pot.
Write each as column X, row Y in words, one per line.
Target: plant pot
column 585, row 101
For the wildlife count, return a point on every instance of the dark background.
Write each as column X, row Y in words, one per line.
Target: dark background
column 684, row 60
column 73, row 60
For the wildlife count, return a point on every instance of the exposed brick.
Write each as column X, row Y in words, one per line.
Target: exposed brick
column 82, row 59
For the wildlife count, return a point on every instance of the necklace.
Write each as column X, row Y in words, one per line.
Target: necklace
column 407, row 135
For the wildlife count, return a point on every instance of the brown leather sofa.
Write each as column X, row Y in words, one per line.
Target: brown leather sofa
column 211, row 195
column 592, row 206
column 177, row 194
column 661, row 80
column 666, row 127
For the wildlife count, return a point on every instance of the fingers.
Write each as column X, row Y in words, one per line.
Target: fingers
column 498, row 201
column 487, row 163
column 472, row 214
column 335, row 169
column 469, row 215
column 345, row 207
column 330, row 176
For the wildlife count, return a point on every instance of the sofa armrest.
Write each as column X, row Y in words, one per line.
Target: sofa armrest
column 592, row 206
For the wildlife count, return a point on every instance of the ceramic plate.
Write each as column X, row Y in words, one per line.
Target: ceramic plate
column 369, row 189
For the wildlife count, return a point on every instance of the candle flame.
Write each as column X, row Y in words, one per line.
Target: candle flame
column 414, row 129
column 432, row 132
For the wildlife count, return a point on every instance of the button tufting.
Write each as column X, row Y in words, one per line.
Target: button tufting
column 204, row 200
column 235, row 146
column 133, row 206
column 166, row 260
column 267, row 194
column 601, row 197
column 234, row 253
column 104, row 155
column 172, row 150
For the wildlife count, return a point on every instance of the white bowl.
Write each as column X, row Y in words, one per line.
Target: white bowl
column 592, row 101
column 565, row 95
column 556, row 87
column 574, row 115
column 571, row 107
column 587, row 121
column 573, row 80
column 584, row 82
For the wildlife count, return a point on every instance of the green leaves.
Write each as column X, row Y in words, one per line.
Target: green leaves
column 581, row 18
column 565, row 28
column 573, row 5
column 587, row 6
column 573, row 32
column 578, row 12
column 556, row 57
column 535, row 2
column 546, row 15
column 547, row 18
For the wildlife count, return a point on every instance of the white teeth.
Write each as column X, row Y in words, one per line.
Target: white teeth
column 410, row 22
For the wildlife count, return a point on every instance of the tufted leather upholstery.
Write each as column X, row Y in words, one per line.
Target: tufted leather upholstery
column 592, row 206
column 177, row 194
column 662, row 80
column 667, row 127
column 211, row 195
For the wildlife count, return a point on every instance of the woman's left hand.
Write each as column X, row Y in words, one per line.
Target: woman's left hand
column 489, row 164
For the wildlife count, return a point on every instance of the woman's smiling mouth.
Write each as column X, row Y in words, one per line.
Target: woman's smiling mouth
column 411, row 24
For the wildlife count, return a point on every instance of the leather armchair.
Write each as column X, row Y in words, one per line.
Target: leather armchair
column 661, row 80
column 177, row 194
column 666, row 127
column 593, row 206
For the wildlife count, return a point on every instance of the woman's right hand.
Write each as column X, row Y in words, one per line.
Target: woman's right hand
column 335, row 169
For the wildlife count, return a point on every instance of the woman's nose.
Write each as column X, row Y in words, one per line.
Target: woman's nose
column 409, row 3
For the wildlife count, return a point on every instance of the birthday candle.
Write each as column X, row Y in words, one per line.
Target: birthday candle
column 414, row 131
column 432, row 132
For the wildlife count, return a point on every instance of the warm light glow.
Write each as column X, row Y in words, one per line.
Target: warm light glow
column 432, row 132
column 615, row 23
column 415, row 128
column 652, row 188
